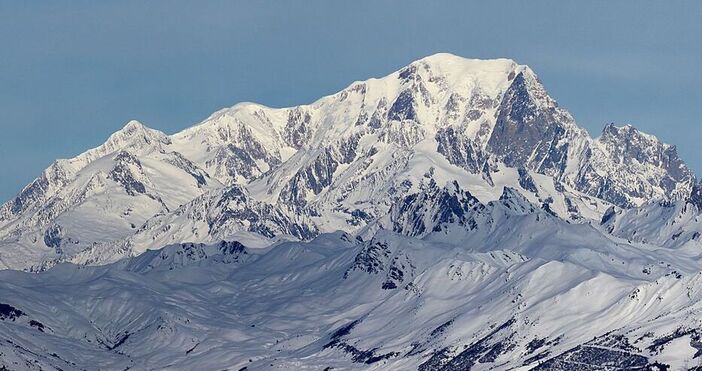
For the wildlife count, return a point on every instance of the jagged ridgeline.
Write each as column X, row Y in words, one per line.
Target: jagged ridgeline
column 448, row 216
column 336, row 164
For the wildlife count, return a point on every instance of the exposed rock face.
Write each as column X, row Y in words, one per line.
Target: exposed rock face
column 298, row 130
column 234, row 164
column 460, row 150
column 126, row 171
column 696, row 196
column 531, row 131
column 421, row 213
column 628, row 167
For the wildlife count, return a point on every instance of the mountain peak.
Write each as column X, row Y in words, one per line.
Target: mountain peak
column 455, row 68
column 514, row 200
column 448, row 59
column 344, row 155
column 133, row 136
column 135, row 133
column 626, row 131
column 638, row 158
column 133, row 125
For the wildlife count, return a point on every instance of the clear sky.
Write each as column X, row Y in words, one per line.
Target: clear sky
column 71, row 73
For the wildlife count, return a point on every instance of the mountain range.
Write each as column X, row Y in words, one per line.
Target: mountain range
column 448, row 216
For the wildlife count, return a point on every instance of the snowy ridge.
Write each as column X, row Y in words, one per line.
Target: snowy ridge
column 392, row 302
column 341, row 162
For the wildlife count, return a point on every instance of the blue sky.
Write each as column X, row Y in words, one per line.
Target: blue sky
column 71, row 73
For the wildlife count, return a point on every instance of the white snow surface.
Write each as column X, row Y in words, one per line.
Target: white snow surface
column 392, row 302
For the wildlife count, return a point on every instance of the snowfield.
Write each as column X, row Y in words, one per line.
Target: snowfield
column 448, row 216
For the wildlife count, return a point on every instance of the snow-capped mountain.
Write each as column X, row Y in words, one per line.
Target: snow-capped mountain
column 103, row 194
column 448, row 216
column 339, row 163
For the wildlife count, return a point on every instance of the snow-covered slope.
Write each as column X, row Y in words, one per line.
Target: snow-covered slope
column 104, row 194
column 516, row 287
column 673, row 225
column 229, row 213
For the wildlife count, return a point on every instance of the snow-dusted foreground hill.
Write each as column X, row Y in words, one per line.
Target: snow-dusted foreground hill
column 448, row 216
column 502, row 285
